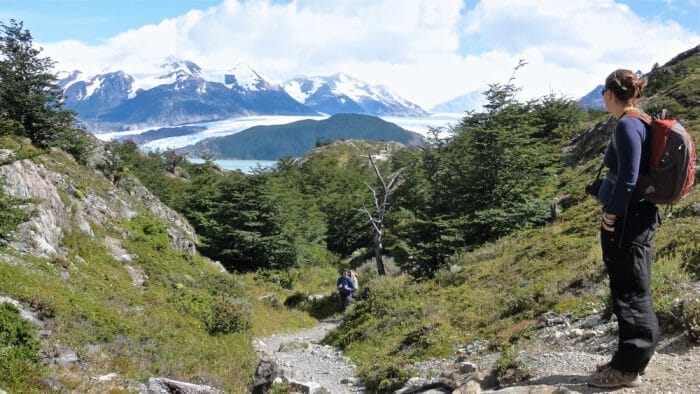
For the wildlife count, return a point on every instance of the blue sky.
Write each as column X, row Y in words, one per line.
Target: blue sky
column 427, row 51
column 91, row 21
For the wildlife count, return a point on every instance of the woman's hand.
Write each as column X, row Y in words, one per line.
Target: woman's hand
column 608, row 222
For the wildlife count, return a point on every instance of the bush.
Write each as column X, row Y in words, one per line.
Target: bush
column 384, row 377
column 510, row 369
column 11, row 127
column 691, row 318
column 228, row 315
column 19, row 347
column 283, row 278
column 10, row 215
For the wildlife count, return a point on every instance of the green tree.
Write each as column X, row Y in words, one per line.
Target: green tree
column 30, row 95
column 494, row 175
column 300, row 217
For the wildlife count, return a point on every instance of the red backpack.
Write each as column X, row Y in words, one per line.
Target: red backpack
column 672, row 167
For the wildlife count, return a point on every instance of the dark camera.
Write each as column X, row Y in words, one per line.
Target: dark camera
column 593, row 188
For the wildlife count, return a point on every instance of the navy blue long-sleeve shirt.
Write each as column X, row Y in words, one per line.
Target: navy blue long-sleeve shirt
column 345, row 285
column 627, row 156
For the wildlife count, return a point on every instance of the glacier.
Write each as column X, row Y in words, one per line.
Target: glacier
column 225, row 127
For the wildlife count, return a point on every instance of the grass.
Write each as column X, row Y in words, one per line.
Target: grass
column 158, row 329
column 496, row 291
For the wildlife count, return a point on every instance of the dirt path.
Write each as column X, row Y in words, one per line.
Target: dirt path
column 302, row 359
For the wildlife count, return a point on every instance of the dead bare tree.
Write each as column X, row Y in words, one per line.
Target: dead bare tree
column 381, row 204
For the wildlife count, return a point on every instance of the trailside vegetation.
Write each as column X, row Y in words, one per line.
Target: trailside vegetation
column 471, row 224
column 30, row 97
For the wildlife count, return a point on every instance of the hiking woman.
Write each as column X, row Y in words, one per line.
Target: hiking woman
column 345, row 287
column 628, row 224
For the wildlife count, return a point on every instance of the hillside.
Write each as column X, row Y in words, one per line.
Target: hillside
column 115, row 291
column 297, row 138
column 489, row 302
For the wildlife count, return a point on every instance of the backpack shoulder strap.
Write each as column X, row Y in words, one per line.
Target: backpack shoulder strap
column 638, row 114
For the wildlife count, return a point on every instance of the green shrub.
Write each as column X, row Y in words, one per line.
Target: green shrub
column 149, row 230
column 691, row 318
column 10, row 215
column 228, row 315
column 283, row 278
column 11, row 127
column 384, row 377
column 19, row 348
column 510, row 369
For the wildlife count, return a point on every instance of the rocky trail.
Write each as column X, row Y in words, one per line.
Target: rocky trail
column 557, row 360
column 298, row 359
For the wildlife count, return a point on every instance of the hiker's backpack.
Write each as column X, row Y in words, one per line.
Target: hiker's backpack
column 355, row 282
column 672, row 166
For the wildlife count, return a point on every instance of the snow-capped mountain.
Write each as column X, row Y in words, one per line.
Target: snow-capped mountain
column 244, row 78
column 472, row 101
column 182, row 92
column 342, row 93
column 92, row 95
column 261, row 94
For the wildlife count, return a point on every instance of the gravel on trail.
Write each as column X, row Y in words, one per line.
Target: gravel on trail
column 302, row 358
column 561, row 356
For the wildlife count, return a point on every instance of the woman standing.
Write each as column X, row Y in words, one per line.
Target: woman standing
column 628, row 225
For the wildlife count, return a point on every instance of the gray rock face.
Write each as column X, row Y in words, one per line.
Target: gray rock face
column 54, row 216
column 41, row 235
column 169, row 386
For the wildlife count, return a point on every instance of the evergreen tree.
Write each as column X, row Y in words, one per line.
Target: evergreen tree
column 493, row 176
column 30, row 95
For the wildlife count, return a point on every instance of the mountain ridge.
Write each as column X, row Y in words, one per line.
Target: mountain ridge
column 181, row 92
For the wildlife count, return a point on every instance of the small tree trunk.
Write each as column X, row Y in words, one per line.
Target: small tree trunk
column 378, row 253
column 381, row 204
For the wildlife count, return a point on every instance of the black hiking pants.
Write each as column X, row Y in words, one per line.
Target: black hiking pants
column 345, row 299
column 627, row 255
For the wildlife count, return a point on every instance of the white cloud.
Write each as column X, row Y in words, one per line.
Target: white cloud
column 574, row 45
column 412, row 46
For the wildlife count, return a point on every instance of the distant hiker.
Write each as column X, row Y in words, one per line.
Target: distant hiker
column 627, row 226
column 355, row 283
column 345, row 288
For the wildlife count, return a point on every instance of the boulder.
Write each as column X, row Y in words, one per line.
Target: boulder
column 470, row 387
column 293, row 346
column 61, row 356
column 169, row 386
column 265, row 374
column 270, row 299
column 308, row 387
column 541, row 389
column 467, row 367
column 41, row 235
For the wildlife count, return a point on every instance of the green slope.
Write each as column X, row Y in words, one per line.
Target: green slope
column 165, row 328
column 297, row 138
column 496, row 291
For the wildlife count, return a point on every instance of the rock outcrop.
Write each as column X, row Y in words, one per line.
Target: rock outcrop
column 169, row 386
column 58, row 207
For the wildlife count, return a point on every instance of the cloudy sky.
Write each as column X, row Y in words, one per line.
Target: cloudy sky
column 428, row 51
